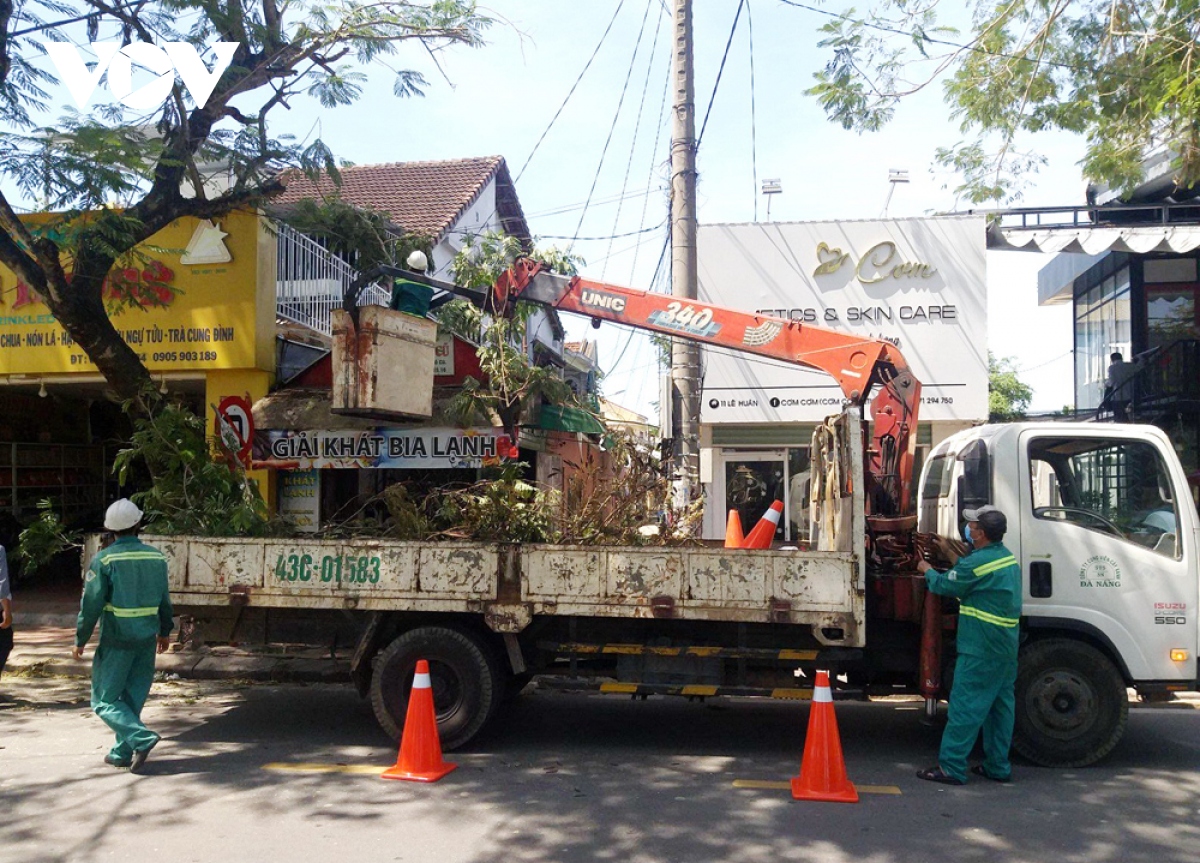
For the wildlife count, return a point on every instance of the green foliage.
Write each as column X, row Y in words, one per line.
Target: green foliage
column 408, row 519
column 192, row 491
column 152, row 166
column 483, row 258
column 87, row 161
column 505, row 509
column 363, row 237
column 45, row 538
column 1125, row 75
column 1008, row 397
column 512, row 383
column 617, row 496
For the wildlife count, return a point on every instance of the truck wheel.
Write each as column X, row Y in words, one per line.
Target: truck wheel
column 466, row 686
column 1071, row 704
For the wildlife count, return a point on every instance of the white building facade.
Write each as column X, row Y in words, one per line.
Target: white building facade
column 917, row 283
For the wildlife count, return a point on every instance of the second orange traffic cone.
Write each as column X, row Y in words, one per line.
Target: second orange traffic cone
column 764, row 531
column 822, row 769
column 733, row 530
column 420, row 758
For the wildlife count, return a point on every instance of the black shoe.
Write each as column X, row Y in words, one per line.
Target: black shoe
column 979, row 771
column 119, row 763
column 139, row 758
column 933, row 774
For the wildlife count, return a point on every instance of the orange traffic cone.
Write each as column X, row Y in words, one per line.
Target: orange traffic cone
column 420, row 758
column 733, row 530
column 822, row 769
column 764, row 531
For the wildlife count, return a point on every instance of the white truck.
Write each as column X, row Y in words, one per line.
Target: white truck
column 1099, row 515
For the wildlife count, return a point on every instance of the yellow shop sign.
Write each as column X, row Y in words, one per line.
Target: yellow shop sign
column 202, row 297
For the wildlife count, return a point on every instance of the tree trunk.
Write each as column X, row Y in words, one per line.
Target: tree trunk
column 6, row 10
column 88, row 324
column 77, row 304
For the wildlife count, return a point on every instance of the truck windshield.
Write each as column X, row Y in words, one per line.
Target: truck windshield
column 1118, row 487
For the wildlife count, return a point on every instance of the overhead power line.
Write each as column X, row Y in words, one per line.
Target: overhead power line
column 720, row 70
column 616, row 116
column 571, row 92
column 753, row 121
column 63, row 22
column 649, row 230
column 637, row 127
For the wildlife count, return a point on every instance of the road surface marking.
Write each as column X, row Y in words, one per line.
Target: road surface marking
column 284, row 767
column 766, row 785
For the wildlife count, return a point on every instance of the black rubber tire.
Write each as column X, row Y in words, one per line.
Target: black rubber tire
column 1072, row 706
column 466, row 686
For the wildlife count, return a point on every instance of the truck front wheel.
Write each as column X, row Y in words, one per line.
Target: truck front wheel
column 1071, row 704
column 466, row 686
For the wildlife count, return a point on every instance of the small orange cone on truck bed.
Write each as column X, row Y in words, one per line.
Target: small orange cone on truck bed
column 822, row 769
column 420, row 758
column 733, row 530
column 764, row 531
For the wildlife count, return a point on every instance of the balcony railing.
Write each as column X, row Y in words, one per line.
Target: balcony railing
column 1167, row 377
column 311, row 282
column 1092, row 216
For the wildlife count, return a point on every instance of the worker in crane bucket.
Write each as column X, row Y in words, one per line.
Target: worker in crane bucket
column 987, row 584
column 125, row 588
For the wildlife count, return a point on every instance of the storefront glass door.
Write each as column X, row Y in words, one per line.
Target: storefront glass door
column 752, row 482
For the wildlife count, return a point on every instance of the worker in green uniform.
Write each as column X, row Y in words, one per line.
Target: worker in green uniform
column 412, row 298
column 987, row 585
column 125, row 588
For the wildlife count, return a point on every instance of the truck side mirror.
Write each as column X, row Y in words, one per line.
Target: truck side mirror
column 975, row 482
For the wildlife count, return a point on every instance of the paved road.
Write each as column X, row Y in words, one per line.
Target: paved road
column 596, row 779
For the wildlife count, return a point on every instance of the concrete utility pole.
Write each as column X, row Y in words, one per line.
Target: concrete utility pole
column 685, row 355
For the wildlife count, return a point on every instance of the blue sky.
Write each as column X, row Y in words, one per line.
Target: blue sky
column 500, row 99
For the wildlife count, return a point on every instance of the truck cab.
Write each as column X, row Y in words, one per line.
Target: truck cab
column 1102, row 521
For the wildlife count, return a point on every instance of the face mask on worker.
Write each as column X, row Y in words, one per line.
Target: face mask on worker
column 967, row 534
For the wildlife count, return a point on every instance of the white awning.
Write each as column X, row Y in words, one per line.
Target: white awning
column 1139, row 239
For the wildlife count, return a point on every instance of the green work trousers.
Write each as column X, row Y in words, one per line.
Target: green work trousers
column 982, row 697
column 121, row 680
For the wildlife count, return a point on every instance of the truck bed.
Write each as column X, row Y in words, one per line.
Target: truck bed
column 510, row 584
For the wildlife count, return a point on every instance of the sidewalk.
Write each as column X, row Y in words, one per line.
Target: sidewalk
column 44, row 633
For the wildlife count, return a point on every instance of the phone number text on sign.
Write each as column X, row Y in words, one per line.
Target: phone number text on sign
column 328, row 569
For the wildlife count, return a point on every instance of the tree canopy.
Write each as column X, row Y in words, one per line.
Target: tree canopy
column 1008, row 397
column 117, row 175
column 513, row 383
column 1124, row 74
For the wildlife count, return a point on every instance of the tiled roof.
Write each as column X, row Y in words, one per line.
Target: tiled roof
column 419, row 197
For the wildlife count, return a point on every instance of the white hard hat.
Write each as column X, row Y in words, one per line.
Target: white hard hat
column 417, row 261
column 122, row 515
column 1161, row 519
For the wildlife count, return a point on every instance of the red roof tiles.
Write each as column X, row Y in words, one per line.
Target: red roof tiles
column 419, row 197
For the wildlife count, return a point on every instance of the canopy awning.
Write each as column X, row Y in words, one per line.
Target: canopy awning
column 568, row 419
column 1134, row 239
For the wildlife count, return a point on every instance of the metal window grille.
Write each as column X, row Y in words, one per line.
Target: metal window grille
column 311, row 282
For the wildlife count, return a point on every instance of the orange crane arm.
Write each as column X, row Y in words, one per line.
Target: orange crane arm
column 857, row 364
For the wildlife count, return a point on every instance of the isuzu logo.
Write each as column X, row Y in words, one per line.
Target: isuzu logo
column 599, row 300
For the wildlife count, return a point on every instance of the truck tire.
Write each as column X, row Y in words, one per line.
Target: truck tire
column 466, row 686
column 1071, row 704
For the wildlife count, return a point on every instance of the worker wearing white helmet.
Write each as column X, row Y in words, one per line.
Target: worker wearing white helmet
column 125, row 589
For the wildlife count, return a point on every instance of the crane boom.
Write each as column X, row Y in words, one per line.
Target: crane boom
column 857, row 364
